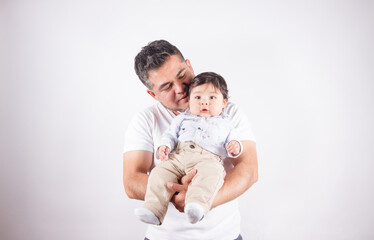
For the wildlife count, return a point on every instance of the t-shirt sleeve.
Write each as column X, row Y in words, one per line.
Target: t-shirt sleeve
column 139, row 133
column 241, row 123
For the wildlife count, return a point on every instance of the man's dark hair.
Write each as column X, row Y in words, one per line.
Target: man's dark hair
column 152, row 57
column 210, row 77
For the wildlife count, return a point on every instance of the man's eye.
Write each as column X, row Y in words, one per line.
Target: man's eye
column 180, row 77
column 168, row 87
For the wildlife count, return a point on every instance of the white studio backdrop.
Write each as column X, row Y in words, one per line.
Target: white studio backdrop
column 302, row 71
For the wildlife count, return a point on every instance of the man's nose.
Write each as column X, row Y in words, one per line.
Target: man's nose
column 180, row 87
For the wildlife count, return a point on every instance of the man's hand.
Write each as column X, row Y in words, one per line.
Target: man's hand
column 233, row 148
column 180, row 190
column 163, row 152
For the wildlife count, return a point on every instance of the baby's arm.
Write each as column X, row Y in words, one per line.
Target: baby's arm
column 233, row 145
column 234, row 148
column 163, row 152
column 169, row 139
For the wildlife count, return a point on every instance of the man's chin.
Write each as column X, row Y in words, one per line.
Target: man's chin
column 180, row 109
column 183, row 105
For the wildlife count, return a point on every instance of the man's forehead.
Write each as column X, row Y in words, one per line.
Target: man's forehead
column 166, row 73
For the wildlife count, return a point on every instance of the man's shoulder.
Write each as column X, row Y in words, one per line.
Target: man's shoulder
column 154, row 110
column 231, row 109
column 154, row 115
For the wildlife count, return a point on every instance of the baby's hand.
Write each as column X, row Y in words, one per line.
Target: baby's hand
column 233, row 148
column 163, row 152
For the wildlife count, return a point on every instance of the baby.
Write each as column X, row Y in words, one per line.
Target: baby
column 199, row 138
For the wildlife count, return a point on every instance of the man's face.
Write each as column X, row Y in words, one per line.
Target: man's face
column 206, row 101
column 170, row 83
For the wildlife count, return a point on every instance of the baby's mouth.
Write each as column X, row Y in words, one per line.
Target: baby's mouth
column 204, row 110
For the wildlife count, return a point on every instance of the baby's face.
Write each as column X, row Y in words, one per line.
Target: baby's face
column 206, row 101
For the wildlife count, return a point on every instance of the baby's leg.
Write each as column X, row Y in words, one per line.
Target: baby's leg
column 203, row 188
column 158, row 195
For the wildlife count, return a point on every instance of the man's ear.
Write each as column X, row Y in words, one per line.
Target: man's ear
column 152, row 94
column 189, row 65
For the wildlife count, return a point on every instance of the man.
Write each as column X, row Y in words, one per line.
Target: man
column 163, row 70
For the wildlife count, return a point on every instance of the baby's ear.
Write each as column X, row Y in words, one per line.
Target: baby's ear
column 225, row 101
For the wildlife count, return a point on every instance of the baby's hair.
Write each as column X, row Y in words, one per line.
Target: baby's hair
column 210, row 77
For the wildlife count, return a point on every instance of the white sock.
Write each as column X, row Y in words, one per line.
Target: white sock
column 145, row 215
column 194, row 212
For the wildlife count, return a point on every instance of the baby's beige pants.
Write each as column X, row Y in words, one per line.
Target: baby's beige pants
column 203, row 187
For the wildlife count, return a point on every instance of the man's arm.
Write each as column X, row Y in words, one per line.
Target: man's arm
column 135, row 167
column 241, row 177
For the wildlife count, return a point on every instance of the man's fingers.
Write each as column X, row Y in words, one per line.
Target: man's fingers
column 180, row 189
column 188, row 178
column 185, row 181
column 178, row 201
column 176, row 187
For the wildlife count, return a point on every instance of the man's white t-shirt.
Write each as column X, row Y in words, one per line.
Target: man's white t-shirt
column 223, row 222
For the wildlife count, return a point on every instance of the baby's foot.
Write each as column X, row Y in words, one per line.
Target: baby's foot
column 194, row 212
column 145, row 215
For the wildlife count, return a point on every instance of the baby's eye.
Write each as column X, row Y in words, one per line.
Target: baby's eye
column 197, row 97
column 212, row 97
